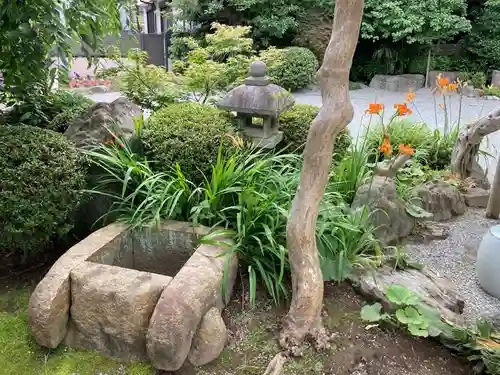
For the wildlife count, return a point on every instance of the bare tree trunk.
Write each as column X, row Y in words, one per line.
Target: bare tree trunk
column 493, row 208
column 428, row 67
column 304, row 316
column 464, row 156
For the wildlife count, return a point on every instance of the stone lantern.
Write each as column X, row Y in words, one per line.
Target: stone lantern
column 258, row 99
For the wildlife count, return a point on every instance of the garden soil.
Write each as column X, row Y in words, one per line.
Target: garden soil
column 356, row 350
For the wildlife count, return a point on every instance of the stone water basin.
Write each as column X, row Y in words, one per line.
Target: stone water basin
column 137, row 295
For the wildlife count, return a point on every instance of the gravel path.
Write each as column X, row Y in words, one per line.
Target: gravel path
column 455, row 257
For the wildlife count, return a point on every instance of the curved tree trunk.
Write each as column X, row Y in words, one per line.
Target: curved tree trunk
column 464, row 157
column 304, row 316
column 493, row 208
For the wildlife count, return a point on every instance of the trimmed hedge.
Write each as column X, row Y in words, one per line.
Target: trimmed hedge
column 295, row 126
column 188, row 134
column 292, row 68
column 41, row 177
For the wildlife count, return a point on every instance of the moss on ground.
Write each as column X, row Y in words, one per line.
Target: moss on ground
column 20, row 355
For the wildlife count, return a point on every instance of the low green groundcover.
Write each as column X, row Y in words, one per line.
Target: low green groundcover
column 20, row 355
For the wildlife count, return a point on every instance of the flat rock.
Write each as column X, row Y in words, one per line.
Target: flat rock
column 441, row 199
column 476, row 197
column 110, row 309
column 387, row 210
column 431, row 231
column 210, row 339
column 434, row 291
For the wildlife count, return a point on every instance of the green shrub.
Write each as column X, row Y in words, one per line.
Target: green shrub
column 148, row 86
column 404, row 131
column 478, row 80
column 432, row 147
column 44, row 110
column 188, row 134
column 295, row 126
column 292, row 68
column 69, row 106
column 492, row 91
column 42, row 177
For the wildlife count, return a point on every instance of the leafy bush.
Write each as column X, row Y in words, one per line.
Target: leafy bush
column 41, row 176
column 418, row 64
column 45, row 110
column 292, row 68
column 188, row 134
column 478, row 80
column 148, row 86
column 433, row 148
column 492, row 91
column 70, row 106
column 295, row 126
column 181, row 45
column 222, row 63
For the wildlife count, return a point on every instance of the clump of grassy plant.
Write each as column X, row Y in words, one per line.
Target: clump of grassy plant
column 248, row 193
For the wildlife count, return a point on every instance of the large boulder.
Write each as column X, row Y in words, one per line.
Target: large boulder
column 110, row 309
column 102, row 120
column 99, row 125
column 441, row 199
column 400, row 83
column 387, row 210
column 210, row 339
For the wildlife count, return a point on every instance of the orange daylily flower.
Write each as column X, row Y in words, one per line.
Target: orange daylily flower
column 385, row 147
column 406, row 149
column 443, row 81
column 374, row 108
column 488, row 343
column 402, row 109
column 452, row 86
column 410, row 97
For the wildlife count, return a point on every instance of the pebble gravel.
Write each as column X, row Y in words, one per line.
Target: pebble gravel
column 454, row 258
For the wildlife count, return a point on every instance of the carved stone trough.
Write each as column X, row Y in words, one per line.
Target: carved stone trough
column 137, row 295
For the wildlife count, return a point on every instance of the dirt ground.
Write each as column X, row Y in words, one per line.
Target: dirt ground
column 253, row 331
column 356, row 350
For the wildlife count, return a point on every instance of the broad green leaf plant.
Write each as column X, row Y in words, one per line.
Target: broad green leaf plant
column 410, row 312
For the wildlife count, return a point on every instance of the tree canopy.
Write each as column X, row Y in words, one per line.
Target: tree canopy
column 34, row 33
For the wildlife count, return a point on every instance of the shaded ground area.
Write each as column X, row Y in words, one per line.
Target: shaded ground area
column 356, row 351
column 252, row 343
column 455, row 259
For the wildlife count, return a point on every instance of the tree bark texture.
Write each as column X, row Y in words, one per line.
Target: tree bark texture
column 464, row 156
column 304, row 316
column 493, row 208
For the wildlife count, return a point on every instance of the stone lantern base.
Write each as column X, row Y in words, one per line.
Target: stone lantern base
column 259, row 140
